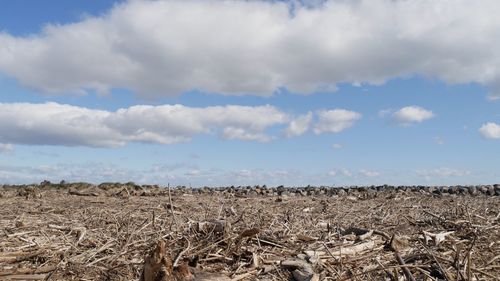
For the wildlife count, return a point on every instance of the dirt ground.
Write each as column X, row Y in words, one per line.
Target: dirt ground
column 53, row 235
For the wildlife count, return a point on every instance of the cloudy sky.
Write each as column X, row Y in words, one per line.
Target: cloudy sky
column 212, row 92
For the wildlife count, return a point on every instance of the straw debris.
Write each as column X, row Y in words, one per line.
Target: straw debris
column 148, row 233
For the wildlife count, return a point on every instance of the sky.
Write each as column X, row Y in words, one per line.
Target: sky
column 212, row 92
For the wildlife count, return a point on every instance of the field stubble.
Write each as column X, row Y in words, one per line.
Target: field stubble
column 63, row 234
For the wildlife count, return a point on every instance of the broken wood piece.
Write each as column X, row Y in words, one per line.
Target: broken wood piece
column 236, row 278
column 269, row 241
column 26, row 271
column 361, row 233
column 395, row 245
column 306, row 238
column 79, row 193
column 299, row 275
column 301, row 270
column 255, row 260
column 206, row 276
column 314, row 256
column 79, row 231
column 213, row 226
column 157, row 265
column 297, row 264
column 179, row 256
column 249, row 232
column 18, row 256
column 18, row 234
column 353, row 250
column 436, row 237
column 26, row 277
column 323, row 225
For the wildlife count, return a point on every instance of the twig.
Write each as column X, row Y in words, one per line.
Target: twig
column 443, row 270
column 179, row 256
column 172, row 206
column 27, row 271
column 379, row 269
column 406, row 271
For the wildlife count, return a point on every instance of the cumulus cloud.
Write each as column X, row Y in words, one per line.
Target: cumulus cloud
column 335, row 121
column 233, row 133
column 59, row 124
column 299, row 125
column 6, row 147
column 163, row 48
column 490, row 130
column 411, row 114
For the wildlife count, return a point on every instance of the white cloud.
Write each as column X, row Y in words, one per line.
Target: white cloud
column 58, row 124
column 442, row 172
column 335, row 121
column 337, row 146
column 232, row 133
column 411, row 114
column 299, row 125
column 340, row 172
column 163, row 48
column 193, row 173
column 6, row 147
column 490, row 130
column 368, row 173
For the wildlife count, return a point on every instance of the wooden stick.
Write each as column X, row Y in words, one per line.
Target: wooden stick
column 171, row 206
column 179, row 256
column 27, row 271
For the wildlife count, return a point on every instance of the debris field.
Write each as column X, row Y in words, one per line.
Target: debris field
column 131, row 232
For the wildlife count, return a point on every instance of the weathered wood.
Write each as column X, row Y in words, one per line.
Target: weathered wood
column 157, row 265
column 79, row 193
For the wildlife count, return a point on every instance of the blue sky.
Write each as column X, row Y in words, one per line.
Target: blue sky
column 248, row 92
